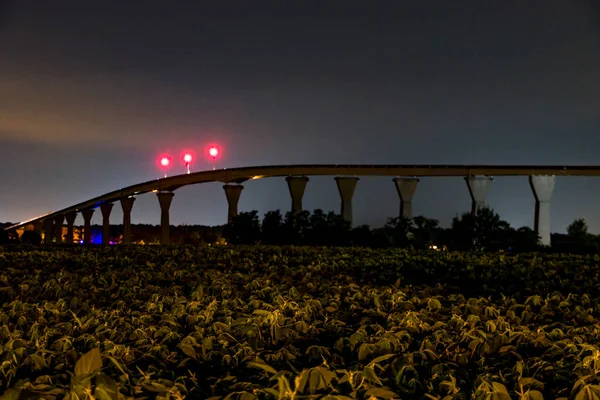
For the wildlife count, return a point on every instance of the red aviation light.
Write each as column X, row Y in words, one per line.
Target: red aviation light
column 165, row 161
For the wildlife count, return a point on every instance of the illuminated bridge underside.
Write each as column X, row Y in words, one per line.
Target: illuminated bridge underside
column 240, row 175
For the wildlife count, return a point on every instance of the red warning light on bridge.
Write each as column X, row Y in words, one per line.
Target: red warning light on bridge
column 213, row 152
column 187, row 159
column 165, row 161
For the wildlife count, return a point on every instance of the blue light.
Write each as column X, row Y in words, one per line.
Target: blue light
column 96, row 236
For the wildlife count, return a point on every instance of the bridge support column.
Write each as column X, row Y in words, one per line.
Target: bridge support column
column 478, row 188
column 127, row 205
column 48, row 230
column 58, row 225
column 87, row 226
column 105, row 209
column 232, row 192
column 70, row 217
column 165, row 199
column 38, row 226
column 296, row 185
column 542, row 187
column 406, row 189
column 346, row 187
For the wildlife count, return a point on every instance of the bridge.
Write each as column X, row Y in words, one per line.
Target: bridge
column 406, row 177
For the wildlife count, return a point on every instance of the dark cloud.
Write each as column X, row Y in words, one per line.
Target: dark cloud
column 6, row 12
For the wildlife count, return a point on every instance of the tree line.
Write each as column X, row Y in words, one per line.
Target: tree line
column 485, row 231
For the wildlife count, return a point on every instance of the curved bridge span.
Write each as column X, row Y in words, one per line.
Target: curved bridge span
column 478, row 177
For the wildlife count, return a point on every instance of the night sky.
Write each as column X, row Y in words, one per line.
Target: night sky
column 91, row 92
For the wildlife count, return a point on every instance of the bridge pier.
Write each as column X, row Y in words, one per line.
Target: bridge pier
column 542, row 187
column 70, row 217
column 48, row 230
column 105, row 209
column 58, row 225
column 346, row 186
column 38, row 226
column 296, row 185
column 406, row 189
column 232, row 192
column 478, row 188
column 87, row 226
column 127, row 206
column 165, row 199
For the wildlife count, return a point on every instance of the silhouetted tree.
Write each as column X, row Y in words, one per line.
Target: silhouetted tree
column 424, row 231
column 4, row 237
column 524, row 239
column 579, row 240
column 463, row 232
column 296, row 227
column 338, row 230
column 244, row 228
column 31, row 237
column 491, row 232
column 362, row 236
column 483, row 231
column 381, row 238
column 272, row 228
column 399, row 231
column 318, row 230
column 578, row 229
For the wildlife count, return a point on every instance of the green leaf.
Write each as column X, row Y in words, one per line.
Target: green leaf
column 499, row 392
column 531, row 383
column 382, row 393
column 119, row 366
column 207, row 344
column 264, row 367
column 369, row 374
column 11, row 394
column 434, row 305
column 589, row 392
column 327, row 375
column 89, row 363
column 381, row 358
column 188, row 350
column 38, row 362
column 315, row 381
column 272, row 392
column 221, row 326
column 500, row 388
column 338, row 397
column 364, row 351
column 106, row 388
column 339, row 345
column 534, row 395
column 156, row 387
column 300, row 380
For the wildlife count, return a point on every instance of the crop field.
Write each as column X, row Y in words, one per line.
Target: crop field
column 297, row 323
